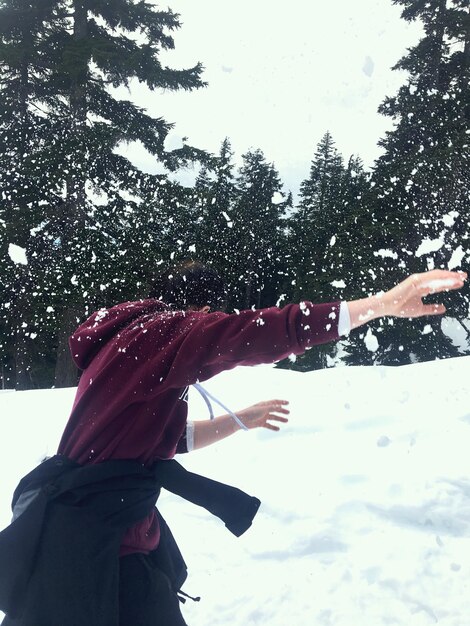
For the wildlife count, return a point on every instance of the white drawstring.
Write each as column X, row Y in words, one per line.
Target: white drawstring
column 205, row 394
column 208, row 397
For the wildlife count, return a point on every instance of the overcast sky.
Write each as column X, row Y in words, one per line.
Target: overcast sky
column 282, row 73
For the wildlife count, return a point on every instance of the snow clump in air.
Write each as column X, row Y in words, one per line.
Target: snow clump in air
column 386, row 253
column 17, row 254
column 430, row 245
column 456, row 258
column 228, row 219
column 371, row 342
column 338, row 283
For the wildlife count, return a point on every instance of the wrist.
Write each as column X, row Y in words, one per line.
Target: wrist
column 226, row 424
column 367, row 309
column 381, row 305
column 234, row 427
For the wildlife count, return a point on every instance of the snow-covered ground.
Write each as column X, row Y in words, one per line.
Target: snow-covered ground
column 366, row 496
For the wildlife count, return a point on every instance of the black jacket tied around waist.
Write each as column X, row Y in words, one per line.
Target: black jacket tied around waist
column 59, row 558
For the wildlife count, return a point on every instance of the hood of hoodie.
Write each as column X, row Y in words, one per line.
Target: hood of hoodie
column 103, row 326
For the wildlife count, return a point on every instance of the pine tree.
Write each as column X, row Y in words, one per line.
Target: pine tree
column 424, row 173
column 349, row 246
column 60, row 125
column 257, row 232
column 316, row 222
column 330, row 235
column 25, row 134
column 215, row 192
column 217, row 232
column 422, row 181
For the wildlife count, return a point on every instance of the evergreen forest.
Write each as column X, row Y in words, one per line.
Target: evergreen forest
column 82, row 227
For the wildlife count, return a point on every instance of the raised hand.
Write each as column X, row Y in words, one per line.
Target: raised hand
column 406, row 299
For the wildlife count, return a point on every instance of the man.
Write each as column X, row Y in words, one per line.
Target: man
column 138, row 359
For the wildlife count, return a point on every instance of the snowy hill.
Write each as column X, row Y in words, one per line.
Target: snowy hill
column 366, row 496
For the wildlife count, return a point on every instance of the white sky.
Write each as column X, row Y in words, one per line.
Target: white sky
column 281, row 74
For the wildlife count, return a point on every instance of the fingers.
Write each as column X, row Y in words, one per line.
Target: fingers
column 277, row 418
column 436, row 281
column 272, row 427
column 278, row 406
column 258, row 414
column 281, row 410
column 433, row 309
column 420, row 310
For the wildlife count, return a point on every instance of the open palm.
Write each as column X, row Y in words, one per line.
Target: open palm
column 261, row 414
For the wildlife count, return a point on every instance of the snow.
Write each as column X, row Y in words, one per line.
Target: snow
column 368, row 66
column 340, row 284
column 365, row 515
column 17, row 254
column 456, row 258
column 277, row 198
column 439, row 284
column 386, row 253
column 371, row 342
column 430, row 245
column 228, row 219
column 450, row 218
column 281, row 299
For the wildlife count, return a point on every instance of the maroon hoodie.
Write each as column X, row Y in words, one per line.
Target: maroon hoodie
column 138, row 359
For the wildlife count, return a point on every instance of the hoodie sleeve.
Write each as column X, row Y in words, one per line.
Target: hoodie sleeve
column 194, row 346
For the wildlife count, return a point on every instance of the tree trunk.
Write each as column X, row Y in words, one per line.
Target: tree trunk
column 23, row 379
column 248, row 288
column 466, row 62
column 66, row 373
column 19, row 323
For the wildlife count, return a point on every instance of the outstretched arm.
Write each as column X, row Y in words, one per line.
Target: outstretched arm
column 405, row 300
column 260, row 415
